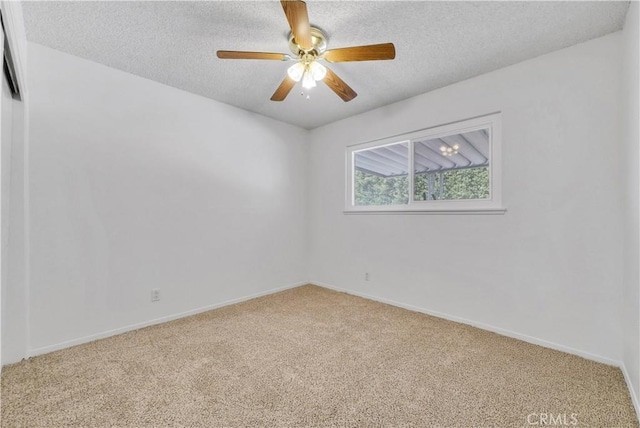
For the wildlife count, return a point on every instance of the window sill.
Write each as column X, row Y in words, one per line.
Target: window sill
column 458, row 211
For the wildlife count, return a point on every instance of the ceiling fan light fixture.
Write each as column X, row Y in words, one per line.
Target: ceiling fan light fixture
column 308, row 81
column 296, row 71
column 318, row 71
column 449, row 150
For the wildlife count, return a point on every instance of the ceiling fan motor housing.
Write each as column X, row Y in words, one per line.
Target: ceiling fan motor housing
column 318, row 43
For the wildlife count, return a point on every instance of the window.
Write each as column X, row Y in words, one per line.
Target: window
column 449, row 168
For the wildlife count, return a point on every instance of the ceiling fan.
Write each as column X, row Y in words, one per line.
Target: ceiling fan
column 309, row 45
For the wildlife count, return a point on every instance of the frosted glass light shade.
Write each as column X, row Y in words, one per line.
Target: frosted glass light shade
column 308, row 81
column 318, row 71
column 296, row 71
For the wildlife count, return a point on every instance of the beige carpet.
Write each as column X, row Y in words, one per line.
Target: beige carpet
column 312, row 357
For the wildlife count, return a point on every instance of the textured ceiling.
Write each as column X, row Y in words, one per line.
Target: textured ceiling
column 437, row 43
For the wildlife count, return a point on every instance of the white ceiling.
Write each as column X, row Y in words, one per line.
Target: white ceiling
column 437, row 44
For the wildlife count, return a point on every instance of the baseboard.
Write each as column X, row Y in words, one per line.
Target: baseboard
column 494, row 329
column 109, row 333
column 632, row 392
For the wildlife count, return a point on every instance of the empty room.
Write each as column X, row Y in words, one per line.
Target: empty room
column 320, row 214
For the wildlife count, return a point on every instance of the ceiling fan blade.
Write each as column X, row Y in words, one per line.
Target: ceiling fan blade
column 283, row 90
column 338, row 86
column 361, row 53
column 251, row 55
column 296, row 12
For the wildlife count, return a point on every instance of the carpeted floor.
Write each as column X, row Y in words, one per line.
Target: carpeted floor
column 312, row 357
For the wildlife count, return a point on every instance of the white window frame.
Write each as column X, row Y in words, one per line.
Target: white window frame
column 492, row 205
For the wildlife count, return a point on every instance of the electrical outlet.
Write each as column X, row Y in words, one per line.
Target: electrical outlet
column 366, row 276
column 155, row 295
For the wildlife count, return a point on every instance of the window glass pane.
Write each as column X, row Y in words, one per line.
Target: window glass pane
column 454, row 167
column 381, row 175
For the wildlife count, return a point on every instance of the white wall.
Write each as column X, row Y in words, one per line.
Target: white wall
column 135, row 185
column 631, row 141
column 550, row 268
